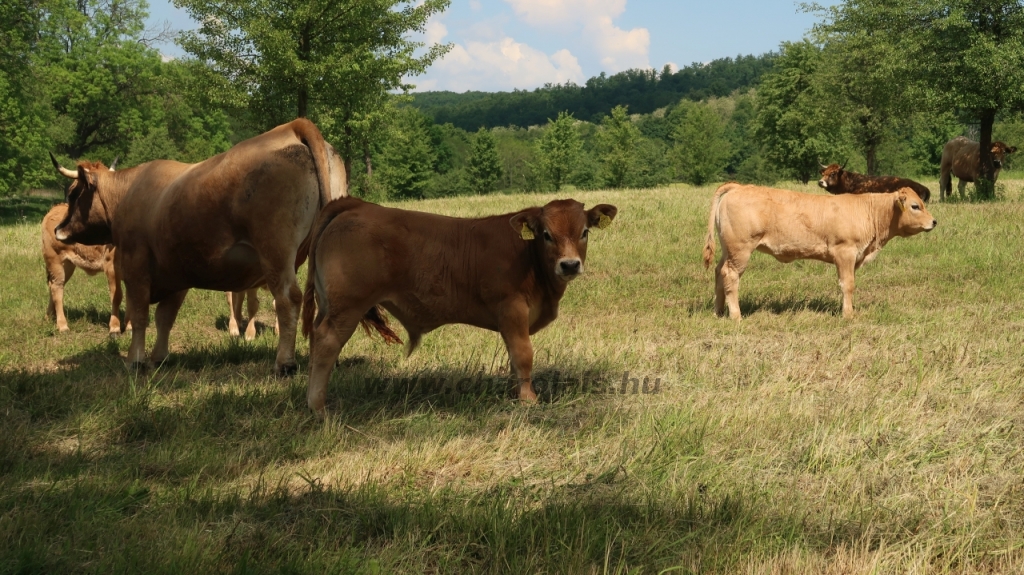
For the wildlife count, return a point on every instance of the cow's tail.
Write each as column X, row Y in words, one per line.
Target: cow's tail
column 709, row 241
column 310, row 136
column 374, row 318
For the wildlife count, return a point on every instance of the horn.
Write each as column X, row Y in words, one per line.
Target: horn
column 843, row 165
column 113, row 164
column 61, row 169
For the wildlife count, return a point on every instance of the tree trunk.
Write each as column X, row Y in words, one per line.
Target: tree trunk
column 985, row 184
column 368, row 161
column 871, row 154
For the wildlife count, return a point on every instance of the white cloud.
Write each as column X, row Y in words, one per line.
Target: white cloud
column 434, row 32
column 616, row 48
column 500, row 65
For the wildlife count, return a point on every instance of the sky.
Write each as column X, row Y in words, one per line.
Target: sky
column 500, row 45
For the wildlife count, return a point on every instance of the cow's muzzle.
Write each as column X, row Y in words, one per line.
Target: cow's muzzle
column 569, row 268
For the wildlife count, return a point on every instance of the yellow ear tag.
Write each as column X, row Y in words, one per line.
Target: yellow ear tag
column 526, row 233
column 604, row 222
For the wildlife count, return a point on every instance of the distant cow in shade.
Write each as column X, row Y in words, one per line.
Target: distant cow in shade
column 837, row 180
column 962, row 158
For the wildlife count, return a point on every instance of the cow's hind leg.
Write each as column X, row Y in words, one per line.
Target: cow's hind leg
column 253, row 307
column 732, row 269
column 166, row 312
column 288, row 301
column 329, row 335
column 720, row 288
column 56, row 276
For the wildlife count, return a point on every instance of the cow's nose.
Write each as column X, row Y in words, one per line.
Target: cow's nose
column 935, row 223
column 570, row 267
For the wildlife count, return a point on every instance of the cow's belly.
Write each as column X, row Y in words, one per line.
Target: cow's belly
column 422, row 315
column 787, row 252
column 235, row 268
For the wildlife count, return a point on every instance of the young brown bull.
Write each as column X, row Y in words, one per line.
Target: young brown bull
column 962, row 158
column 837, row 180
column 847, row 231
column 504, row 273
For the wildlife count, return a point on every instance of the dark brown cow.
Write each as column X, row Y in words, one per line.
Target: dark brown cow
column 233, row 222
column 504, row 273
column 962, row 158
column 837, row 180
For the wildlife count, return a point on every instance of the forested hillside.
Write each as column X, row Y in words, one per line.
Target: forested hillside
column 643, row 91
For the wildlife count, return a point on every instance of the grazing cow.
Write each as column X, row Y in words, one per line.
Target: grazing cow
column 962, row 158
column 238, row 220
column 504, row 273
column 847, row 231
column 836, row 180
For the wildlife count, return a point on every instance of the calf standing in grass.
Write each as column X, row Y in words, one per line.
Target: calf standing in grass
column 846, row 230
column 837, row 180
column 504, row 273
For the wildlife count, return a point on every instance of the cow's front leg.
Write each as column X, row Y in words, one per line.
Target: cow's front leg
column 846, row 266
column 234, row 312
column 166, row 313
column 114, row 285
column 253, row 307
column 515, row 330
column 56, row 275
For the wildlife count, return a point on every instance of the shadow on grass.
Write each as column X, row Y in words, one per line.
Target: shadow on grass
column 120, row 524
column 92, row 314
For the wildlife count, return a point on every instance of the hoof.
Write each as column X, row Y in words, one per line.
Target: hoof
column 287, row 370
column 64, row 329
column 139, row 365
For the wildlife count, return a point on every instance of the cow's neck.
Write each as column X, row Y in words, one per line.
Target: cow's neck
column 551, row 288
column 886, row 218
column 111, row 189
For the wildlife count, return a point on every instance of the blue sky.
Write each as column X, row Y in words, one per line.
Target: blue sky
column 506, row 44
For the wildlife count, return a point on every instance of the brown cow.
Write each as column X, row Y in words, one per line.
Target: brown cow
column 235, row 300
column 233, row 222
column 846, row 230
column 61, row 260
column 504, row 273
column 962, row 158
column 837, row 180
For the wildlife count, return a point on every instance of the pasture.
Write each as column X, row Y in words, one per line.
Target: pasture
column 792, row 442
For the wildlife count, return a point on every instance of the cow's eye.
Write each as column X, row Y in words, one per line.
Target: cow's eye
column 915, row 207
column 586, row 232
column 547, row 236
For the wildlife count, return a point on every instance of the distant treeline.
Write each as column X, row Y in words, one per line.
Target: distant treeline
column 643, row 91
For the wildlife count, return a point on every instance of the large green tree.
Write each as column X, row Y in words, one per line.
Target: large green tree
column 618, row 141
column 791, row 126
column 484, row 164
column 962, row 55
column 702, row 149
column 560, row 149
column 335, row 61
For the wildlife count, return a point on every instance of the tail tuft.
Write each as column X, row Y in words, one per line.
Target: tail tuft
column 376, row 319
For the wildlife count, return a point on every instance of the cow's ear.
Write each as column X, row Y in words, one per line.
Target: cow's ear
column 601, row 216
column 1011, row 149
column 86, row 177
column 526, row 223
column 901, row 200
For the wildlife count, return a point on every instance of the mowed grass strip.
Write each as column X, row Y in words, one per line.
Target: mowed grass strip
column 791, row 442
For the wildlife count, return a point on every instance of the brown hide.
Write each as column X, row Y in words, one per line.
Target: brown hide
column 847, row 230
column 504, row 273
column 236, row 221
column 61, row 259
column 962, row 158
column 836, row 180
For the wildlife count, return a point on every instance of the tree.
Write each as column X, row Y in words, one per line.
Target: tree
column 618, row 140
column 790, row 124
column 560, row 149
column 484, row 163
column 335, row 60
column 407, row 159
column 962, row 55
column 701, row 149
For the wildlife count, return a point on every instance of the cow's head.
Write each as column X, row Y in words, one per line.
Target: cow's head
column 910, row 214
column 830, row 177
column 560, row 231
column 999, row 152
column 87, row 221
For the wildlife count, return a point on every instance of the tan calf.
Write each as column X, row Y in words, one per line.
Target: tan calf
column 845, row 230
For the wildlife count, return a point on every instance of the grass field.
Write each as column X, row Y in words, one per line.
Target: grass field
column 791, row 442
